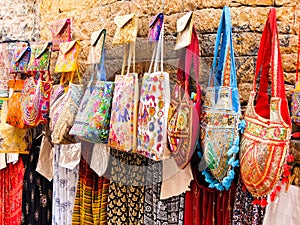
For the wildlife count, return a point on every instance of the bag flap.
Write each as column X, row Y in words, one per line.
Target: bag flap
column 183, row 21
column 121, row 21
column 58, row 26
column 155, row 18
column 39, row 49
column 95, row 37
column 67, row 46
column 20, row 52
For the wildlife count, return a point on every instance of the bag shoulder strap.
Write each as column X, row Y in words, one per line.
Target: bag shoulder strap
column 298, row 56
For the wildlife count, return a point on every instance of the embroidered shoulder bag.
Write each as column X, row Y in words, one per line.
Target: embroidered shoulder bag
column 67, row 60
column 40, row 57
column 153, row 108
column 184, row 111
column 155, row 27
column 20, row 58
column 265, row 142
column 221, row 112
column 93, row 117
column 61, row 32
column 184, row 28
column 123, row 120
column 97, row 46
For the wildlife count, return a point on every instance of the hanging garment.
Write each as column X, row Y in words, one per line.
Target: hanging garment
column 285, row 210
column 64, row 191
column 166, row 212
column 90, row 205
column 37, row 191
column 265, row 142
column 244, row 211
column 207, row 206
column 11, row 185
column 126, row 191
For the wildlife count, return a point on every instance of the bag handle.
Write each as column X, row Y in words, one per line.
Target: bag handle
column 129, row 54
column 225, row 33
column 298, row 56
column 269, row 40
column 159, row 47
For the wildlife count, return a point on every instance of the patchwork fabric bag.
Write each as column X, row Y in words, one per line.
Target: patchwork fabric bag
column 67, row 60
column 184, row 111
column 123, row 120
column 265, row 142
column 20, row 58
column 221, row 114
column 97, row 45
column 153, row 109
column 155, row 27
column 184, row 29
column 127, row 27
column 4, row 71
column 61, row 32
column 93, row 117
column 40, row 57
column 35, row 100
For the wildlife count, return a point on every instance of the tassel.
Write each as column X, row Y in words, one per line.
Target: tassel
column 290, row 158
column 231, row 174
column 219, row 187
column 241, row 126
column 263, row 202
column 235, row 163
column 231, row 160
column 226, row 182
column 233, row 150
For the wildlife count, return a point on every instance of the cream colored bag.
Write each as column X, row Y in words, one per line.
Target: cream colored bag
column 97, row 45
column 184, row 31
column 127, row 27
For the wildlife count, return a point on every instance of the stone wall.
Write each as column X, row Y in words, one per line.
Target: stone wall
column 248, row 18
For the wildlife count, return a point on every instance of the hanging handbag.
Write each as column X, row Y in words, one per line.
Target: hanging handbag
column 67, row 60
column 92, row 120
column 40, row 57
column 68, row 106
column 127, row 27
column 155, row 27
column 153, row 108
column 61, row 32
column 265, row 142
column 4, row 71
column 184, row 27
column 184, row 111
column 123, row 120
column 35, row 99
column 221, row 112
column 20, row 58
column 97, row 46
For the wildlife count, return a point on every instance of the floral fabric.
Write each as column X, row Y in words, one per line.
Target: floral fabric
column 20, row 58
column 40, row 57
column 67, row 60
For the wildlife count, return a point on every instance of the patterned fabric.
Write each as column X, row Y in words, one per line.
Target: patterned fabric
column 66, row 117
column 64, row 191
column 61, row 32
column 221, row 112
column 184, row 111
column 126, row 191
column 123, row 120
column 127, row 27
column 15, row 114
column 11, row 185
column 67, row 60
column 13, row 139
column 35, row 100
column 20, row 59
column 244, row 211
column 265, row 142
column 4, row 71
column 91, row 197
column 155, row 27
column 37, row 192
column 160, row 212
column 40, row 57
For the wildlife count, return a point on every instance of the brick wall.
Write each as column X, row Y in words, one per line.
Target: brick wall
column 248, row 18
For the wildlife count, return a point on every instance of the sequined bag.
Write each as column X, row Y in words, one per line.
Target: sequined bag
column 61, row 32
column 155, row 27
column 221, row 114
column 40, row 57
column 184, row 111
column 265, row 142
column 68, row 108
column 153, row 108
column 20, row 58
column 127, row 27
column 123, row 120
column 93, row 117
column 35, row 99
column 67, row 60
column 184, row 27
